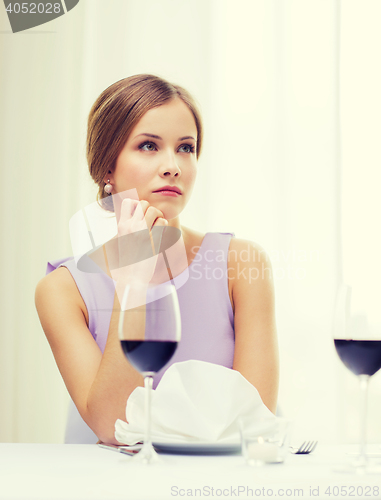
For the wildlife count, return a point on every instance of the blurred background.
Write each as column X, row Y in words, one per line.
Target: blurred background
column 290, row 95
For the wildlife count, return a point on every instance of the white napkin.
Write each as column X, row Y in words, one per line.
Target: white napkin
column 195, row 401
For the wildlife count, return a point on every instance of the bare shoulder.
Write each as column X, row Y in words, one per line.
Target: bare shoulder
column 59, row 280
column 247, row 252
column 58, row 287
column 250, row 272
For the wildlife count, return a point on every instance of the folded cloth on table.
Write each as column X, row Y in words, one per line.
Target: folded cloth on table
column 195, row 401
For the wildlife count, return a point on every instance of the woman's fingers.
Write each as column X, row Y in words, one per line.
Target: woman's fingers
column 127, row 210
column 161, row 222
column 140, row 210
column 148, row 212
column 139, row 215
column 152, row 216
column 136, row 217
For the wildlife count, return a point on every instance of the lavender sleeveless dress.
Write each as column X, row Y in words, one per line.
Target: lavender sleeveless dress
column 207, row 321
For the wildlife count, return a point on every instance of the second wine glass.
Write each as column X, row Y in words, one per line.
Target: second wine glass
column 149, row 332
column 360, row 352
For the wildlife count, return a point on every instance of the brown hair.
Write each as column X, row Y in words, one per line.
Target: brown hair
column 116, row 112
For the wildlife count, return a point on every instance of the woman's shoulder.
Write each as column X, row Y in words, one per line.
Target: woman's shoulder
column 55, row 279
column 56, row 296
column 248, row 251
column 251, row 279
column 55, row 286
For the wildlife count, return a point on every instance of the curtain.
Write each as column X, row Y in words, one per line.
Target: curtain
column 266, row 76
column 276, row 143
column 360, row 103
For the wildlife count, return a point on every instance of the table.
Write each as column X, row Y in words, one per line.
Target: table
column 57, row 472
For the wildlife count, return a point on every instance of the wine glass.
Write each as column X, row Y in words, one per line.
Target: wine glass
column 360, row 351
column 149, row 331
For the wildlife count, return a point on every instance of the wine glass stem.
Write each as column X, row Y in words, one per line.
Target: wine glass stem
column 148, row 380
column 364, row 382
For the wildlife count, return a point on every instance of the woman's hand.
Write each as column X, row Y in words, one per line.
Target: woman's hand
column 135, row 258
column 138, row 215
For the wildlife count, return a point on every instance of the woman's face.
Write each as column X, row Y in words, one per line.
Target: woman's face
column 160, row 151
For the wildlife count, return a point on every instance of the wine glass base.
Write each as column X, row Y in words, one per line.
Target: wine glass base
column 147, row 455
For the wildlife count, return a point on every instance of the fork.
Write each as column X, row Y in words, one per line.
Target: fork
column 305, row 448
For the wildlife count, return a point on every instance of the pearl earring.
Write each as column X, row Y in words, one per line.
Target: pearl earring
column 108, row 187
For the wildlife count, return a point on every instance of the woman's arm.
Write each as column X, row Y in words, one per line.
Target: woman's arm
column 256, row 346
column 98, row 384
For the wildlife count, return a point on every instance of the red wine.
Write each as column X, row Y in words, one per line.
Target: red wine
column 148, row 355
column 362, row 357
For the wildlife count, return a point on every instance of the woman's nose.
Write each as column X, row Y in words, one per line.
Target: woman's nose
column 170, row 167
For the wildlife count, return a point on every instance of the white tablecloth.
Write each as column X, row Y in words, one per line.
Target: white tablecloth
column 49, row 471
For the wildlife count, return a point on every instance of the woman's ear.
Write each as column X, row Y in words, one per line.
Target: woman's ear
column 108, row 177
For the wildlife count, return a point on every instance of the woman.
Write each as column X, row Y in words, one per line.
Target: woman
column 145, row 134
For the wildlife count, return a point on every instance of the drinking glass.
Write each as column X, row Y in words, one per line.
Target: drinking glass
column 266, row 440
column 360, row 351
column 149, row 331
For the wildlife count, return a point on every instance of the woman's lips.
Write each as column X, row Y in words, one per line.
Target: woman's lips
column 167, row 193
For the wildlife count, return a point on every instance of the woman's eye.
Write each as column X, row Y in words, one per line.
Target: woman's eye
column 189, row 147
column 147, row 146
column 151, row 146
